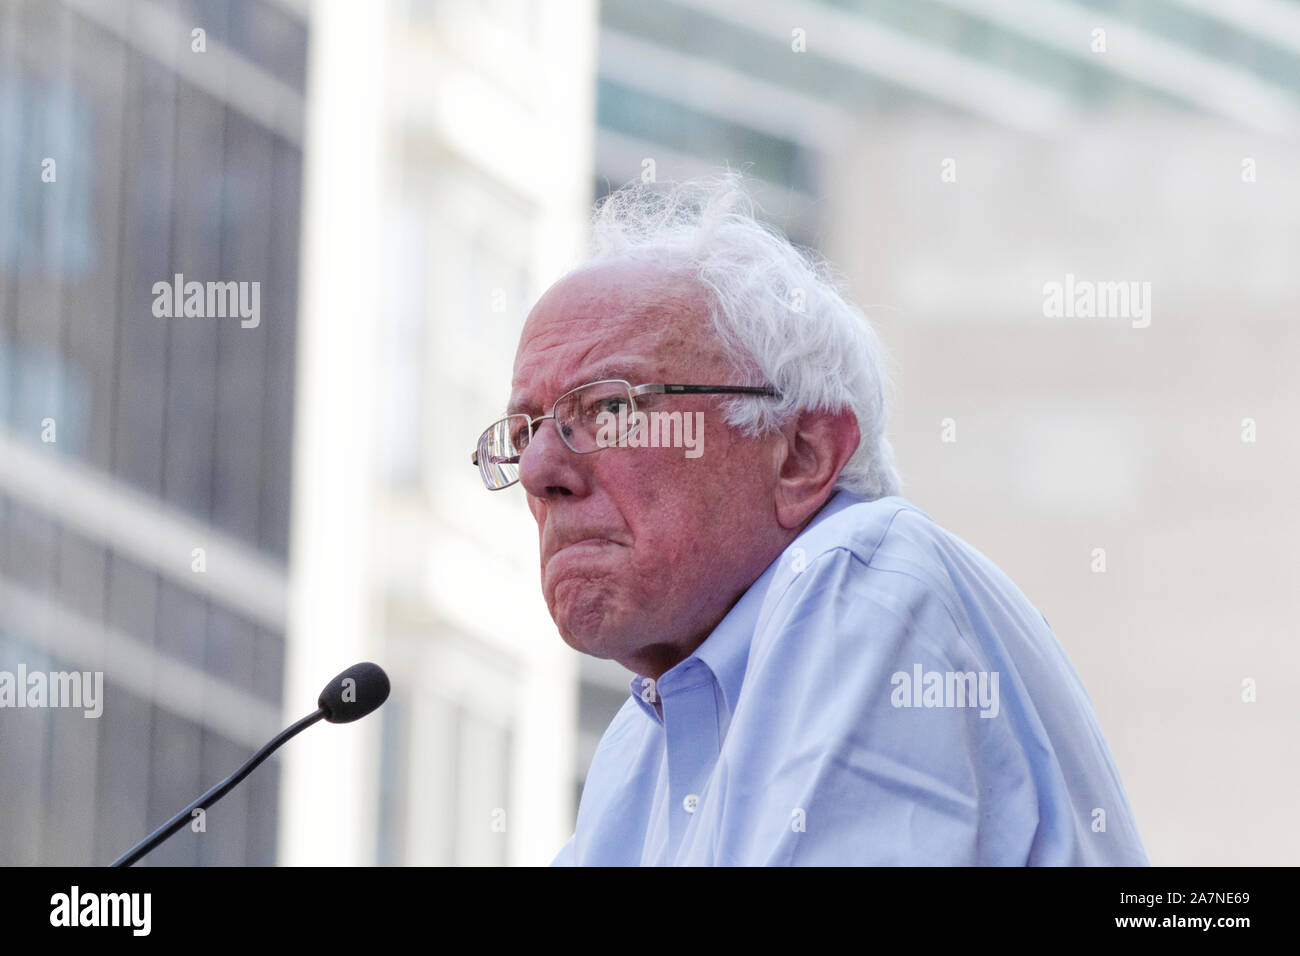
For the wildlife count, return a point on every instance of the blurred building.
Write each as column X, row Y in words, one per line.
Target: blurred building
column 145, row 460
column 448, row 179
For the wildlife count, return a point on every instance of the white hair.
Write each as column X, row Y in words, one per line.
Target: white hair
column 776, row 309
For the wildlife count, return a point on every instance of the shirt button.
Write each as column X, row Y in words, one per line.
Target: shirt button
column 691, row 802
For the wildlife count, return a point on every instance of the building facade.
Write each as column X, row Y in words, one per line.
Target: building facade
column 145, row 456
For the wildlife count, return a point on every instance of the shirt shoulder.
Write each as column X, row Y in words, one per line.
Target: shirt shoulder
column 889, row 557
column 865, row 564
column 854, row 525
column 877, row 622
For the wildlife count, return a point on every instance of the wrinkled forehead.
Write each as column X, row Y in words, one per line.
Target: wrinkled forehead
column 610, row 323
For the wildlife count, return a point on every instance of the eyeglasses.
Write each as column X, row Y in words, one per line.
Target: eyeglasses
column 580, row 414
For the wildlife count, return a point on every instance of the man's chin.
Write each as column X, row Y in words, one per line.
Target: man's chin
column 588, row 636
column 591, row 645
column 589, row 627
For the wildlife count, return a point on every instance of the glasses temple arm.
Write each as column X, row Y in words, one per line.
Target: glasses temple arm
column 669, row 389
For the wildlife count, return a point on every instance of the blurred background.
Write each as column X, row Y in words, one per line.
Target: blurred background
column 220, row 515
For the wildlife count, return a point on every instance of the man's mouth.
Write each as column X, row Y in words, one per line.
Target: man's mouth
column 588, row 541
column 588, row 545
column 584, row 543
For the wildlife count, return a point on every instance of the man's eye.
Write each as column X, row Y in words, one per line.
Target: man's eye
column 611, row 405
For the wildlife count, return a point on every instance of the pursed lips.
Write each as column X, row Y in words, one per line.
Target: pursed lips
column 587, row 541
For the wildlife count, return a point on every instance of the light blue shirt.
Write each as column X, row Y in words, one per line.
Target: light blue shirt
column 882, row 694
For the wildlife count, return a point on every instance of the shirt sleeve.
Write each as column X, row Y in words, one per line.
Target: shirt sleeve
column 839, row 759
column 565, row 856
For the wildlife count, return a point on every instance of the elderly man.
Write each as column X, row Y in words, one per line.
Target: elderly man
column 822, row 674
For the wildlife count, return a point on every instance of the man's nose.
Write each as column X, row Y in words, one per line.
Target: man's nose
column 548, row 468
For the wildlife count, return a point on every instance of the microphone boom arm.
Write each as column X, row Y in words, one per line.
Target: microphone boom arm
column 217, row 792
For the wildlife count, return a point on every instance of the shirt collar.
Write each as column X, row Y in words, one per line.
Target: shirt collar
column 725, row 652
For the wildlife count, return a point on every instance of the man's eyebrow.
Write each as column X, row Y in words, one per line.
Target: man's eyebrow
column 515, row 406
column 600, row 372
column 595, row 373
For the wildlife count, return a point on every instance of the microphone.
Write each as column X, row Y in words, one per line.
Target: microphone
column 356, row 692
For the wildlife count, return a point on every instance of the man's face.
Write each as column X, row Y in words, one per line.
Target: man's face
column 643, row 550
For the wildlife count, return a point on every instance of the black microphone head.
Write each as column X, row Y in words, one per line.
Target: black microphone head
column 354, row 693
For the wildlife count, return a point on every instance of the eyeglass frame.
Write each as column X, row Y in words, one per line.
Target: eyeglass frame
column 633, row 391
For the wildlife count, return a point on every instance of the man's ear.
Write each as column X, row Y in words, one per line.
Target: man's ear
column 813, row 448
